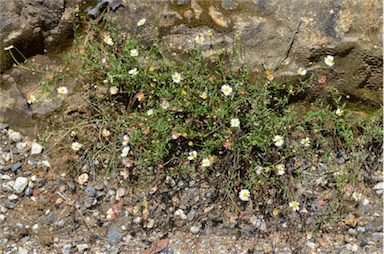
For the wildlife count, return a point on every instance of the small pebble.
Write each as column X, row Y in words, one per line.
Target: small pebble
column 194, row 230
column 36, row 148
column 13, row 197
column 137, row 220
column 90, row 191
column 24, row 239
column 51, row 218
column 22, row 250
column 114, row 235
column 35, row 228
column 9, row 204
column 82, row 247
column 14, row 136
column 67, row 249
column 28, row 192
column 11, row 80
column 150, row 223
column 191, row 215
column 3, row 126
column 120, row 193
column 5, row 77
column 16, row 73
column 20, row 184
column 71, row 185
column 16, row 166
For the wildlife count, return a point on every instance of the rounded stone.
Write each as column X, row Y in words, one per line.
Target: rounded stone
column 194, row 230
column 20, row 184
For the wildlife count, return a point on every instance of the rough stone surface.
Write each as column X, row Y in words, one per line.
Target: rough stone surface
column 20, row 184
column 115, row 235
column 36, row 148
column 33, row 26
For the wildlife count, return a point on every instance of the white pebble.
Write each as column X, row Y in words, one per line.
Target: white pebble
column 14, row 136
column 35, row 228
column 13, row 197
column 194, row 230
column 20, row 184
column 36, row 148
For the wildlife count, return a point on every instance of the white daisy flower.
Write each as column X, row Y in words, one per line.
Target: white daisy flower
column 305, row 142
column 110, row 213
column 294, row 205
column 113, row 90
column 176, row 77
column 141, row 22
column 280, row 169
column 279, row 140
column 125, row 151
column 133, row 72
column 32, row 99
column 106, row 133
column 76, row 146
column 199, row 39
column 235, row 122
column 192, row 155
column 329, row 60
column 356, row 196
column 302, row 71
column 339, row 112
column 134, row 52
column 149, row 112
column 244, row 195
column 164, row 104
column 206, row 162
column 108, row 40
column 226, row 89
column 62, row 90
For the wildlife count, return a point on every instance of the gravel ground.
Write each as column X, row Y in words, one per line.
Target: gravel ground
column 46, row 210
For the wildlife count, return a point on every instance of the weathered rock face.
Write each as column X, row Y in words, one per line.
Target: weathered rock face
column 33, row 26
column 349, row 30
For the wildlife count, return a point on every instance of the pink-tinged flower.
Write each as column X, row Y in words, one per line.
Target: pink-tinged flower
column 140, row 96
column 124, row 174
column 304, row 212
column 322, row 79
column 128, row 163
column 259, row 169
column 146, row 130
column 106, row 133
column 227, row 144
column 116, row 209
column 114, row 90
column 153, row 188
column 104, row 60
column 269, row 75
column 175, row 135
column 243, row 215
column 130, row 209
